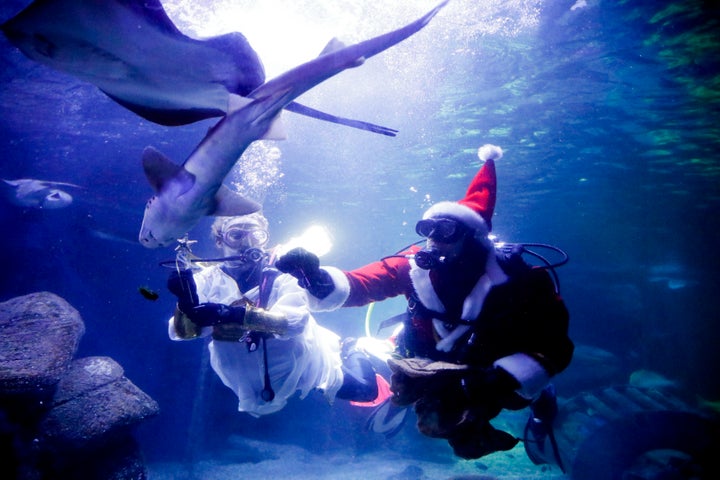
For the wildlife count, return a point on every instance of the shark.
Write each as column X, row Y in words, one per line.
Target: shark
column 34, row 193
column 133, row 52
column 186, row 193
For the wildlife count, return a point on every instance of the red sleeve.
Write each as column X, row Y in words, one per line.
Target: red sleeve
column 386, row 278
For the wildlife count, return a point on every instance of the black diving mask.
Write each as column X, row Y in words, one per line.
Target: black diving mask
column 444, row 230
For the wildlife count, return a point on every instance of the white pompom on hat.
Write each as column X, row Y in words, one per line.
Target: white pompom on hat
column 476, row 209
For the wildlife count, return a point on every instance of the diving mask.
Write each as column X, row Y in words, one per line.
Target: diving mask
column 444, row 230
column 241, row 236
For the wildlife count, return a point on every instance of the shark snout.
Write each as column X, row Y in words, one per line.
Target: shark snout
column 148, row 240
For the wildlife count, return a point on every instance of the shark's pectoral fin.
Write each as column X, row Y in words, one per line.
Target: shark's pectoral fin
column 159, row 169
column 333, row 45
column 229, row 204
column 276, row 130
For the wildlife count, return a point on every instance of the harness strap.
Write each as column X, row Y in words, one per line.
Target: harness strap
column 269, row 275
column 416, row 308
column 266, row 282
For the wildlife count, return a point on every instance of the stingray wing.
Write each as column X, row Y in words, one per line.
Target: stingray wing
column 133, row 52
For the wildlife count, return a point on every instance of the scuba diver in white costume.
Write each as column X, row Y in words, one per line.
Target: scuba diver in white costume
column 265, row 344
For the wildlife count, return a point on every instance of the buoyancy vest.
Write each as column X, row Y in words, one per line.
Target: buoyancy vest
column 419, row 337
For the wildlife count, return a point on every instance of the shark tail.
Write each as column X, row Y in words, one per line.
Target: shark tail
column 349, row 57
column 383, row 42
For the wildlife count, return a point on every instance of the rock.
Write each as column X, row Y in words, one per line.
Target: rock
column 94, row 403
column 411, row 472
column 591, row 368
column 39, row 335
column 59, row 417
column 120, row 459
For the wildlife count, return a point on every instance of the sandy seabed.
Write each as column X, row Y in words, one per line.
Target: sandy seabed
column 294, row 462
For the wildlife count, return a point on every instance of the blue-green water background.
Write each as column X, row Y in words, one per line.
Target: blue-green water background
column 608, row 116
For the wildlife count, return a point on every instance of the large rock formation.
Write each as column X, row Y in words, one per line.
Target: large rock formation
column 62, row 417
column 39, row 335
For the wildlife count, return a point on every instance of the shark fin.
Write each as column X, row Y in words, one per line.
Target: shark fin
column 159, row 169
column 333, row 45
column 230, row 204
column 276, row 130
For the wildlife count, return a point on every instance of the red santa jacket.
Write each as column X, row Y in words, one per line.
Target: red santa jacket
column 508, row 316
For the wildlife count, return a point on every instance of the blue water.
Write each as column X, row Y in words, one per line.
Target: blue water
column 608, row 115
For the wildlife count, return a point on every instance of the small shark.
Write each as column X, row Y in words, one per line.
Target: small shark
column 672, row 275
column 184, row 194
column 649, row 379
column 132, row 51
column 33, row 193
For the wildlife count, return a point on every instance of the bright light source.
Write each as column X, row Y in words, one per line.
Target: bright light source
column 315, row 239
column 283, row 33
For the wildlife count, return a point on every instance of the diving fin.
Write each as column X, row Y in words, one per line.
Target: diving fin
column 387, row 419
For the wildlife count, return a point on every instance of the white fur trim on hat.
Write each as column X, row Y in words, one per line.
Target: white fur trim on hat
column 489, row 151
column 466, row 215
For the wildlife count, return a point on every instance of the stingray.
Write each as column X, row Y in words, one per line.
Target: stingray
column 33, row 193
column 132, row 51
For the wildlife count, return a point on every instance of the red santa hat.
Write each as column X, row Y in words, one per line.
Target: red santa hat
column 476, row 209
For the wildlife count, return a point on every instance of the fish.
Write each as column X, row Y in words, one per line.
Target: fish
column 148, row 294
column 133, row 52
column 709, row 405
column 34, row 193
column 649, row 379
column 673, row 276
column 188, row 192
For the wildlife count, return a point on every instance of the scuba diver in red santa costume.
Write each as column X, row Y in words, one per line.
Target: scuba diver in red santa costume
column 484, row 330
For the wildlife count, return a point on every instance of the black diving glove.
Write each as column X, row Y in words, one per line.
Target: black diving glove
column 305, row 266
column 210, row 314
column 182, row 284
column 493, row 386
